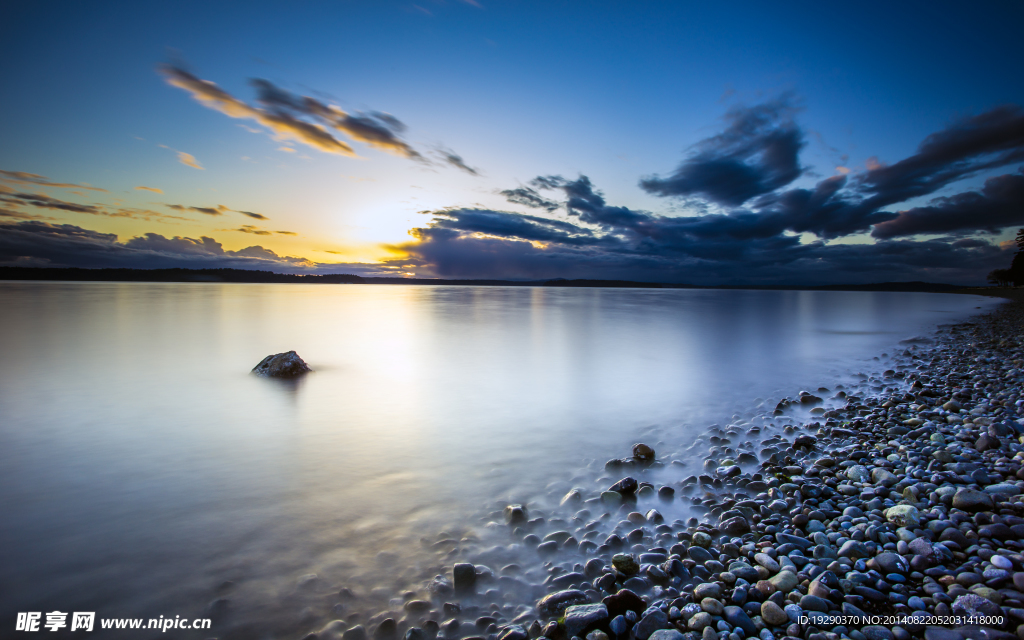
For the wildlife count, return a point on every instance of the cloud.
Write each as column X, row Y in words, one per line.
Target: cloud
column 283, row 125
column 153, row 189
column 57, row 245
column 305, row 119
column 966, row 147
column 998, row 205
column 47, row 202
column 23, row 177
column 456, row 161
column 756, row 154
column 530, row 198
column 189, row 160
column 248, row 228
column 258, row 216
column 210, row 211
column 460, row 243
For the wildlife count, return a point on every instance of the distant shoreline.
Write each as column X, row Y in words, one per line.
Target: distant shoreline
column 75, row 274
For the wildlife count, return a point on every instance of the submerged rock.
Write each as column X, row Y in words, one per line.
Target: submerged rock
column 281, row 365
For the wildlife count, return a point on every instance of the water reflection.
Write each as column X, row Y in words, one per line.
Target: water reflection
column 142, row 467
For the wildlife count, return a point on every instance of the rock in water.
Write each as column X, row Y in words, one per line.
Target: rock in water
column 281, row 365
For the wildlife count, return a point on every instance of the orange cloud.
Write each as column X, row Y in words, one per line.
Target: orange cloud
column 283, row 125
column 189, row 160
column 23, row 177
column 153, row 189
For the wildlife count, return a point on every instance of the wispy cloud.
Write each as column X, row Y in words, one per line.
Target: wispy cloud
column 23, row 177
column 186, row 159
column 305, row 119
column 153, row 189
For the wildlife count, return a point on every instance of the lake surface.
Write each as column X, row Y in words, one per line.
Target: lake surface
column 142, row 468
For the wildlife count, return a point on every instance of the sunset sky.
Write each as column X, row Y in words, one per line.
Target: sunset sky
column 677, row 142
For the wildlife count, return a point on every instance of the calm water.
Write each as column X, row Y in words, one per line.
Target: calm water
column 141, row 466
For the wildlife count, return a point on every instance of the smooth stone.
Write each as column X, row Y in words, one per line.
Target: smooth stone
column 281, row 365
column 972, row 500
column 773, row 614
column 712, row 606
column 707, row 590
column 784, row 581
column 699, row 622
column 653, row 619
column 666, row 634
column 555, row 603
column 582, row 618
column 737, row 617
column 625, row 564
column 904, row 515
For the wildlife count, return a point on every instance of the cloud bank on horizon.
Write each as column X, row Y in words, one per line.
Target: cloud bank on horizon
column 756, row 226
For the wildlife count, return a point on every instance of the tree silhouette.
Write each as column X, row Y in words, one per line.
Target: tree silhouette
column 1015, row 273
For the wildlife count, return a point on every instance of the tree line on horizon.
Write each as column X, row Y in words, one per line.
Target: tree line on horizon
column 1015, row 274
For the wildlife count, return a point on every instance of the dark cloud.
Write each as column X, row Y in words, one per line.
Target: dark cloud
column 756, row 154
column 58, row 245
column 46, row 202
column 990, row 140
column 23, row 177
column 530, row 198
column 456, row 161
column 497, row 244
column 998, row 205
column 589, row 204
column 258, row 216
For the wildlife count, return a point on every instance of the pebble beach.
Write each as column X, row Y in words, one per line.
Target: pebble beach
column 884, row 510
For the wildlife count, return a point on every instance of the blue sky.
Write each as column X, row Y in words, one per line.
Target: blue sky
column 613, row 92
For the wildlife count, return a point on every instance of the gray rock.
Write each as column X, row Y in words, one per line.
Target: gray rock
column 653, row 620
column 555, row 603
column 515, row 514
column 281, row 365
column 853, row 550
column 876, row 632
column 737, row 617
column 513, row 632
column 666, row 634
column 707, row 590
column 971, row 604
column 785, row 581
column 773, row 614
column 972, row 500
column 582, row 618
column 464, row 576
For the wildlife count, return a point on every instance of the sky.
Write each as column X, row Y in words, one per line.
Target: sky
column 703, row 143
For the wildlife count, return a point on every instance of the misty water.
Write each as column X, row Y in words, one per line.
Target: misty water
column 144, row 472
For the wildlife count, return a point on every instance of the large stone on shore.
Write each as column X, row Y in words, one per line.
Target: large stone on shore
column 735, row 526
column 972, row 500
column 773, row 614
column 643, row 453
column 555, row 603
column 625, row 564
column 904, row 515
column 737, row 617
column 626, row 486
column 785, row 581
column 581, row 618
column 515, row 514
column 281, row 365
column 973, row 605
column 653, row 620
column 625, row 600
column 464, row 576
column 888, row 562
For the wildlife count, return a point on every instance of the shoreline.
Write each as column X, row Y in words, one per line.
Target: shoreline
column 819, row 524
